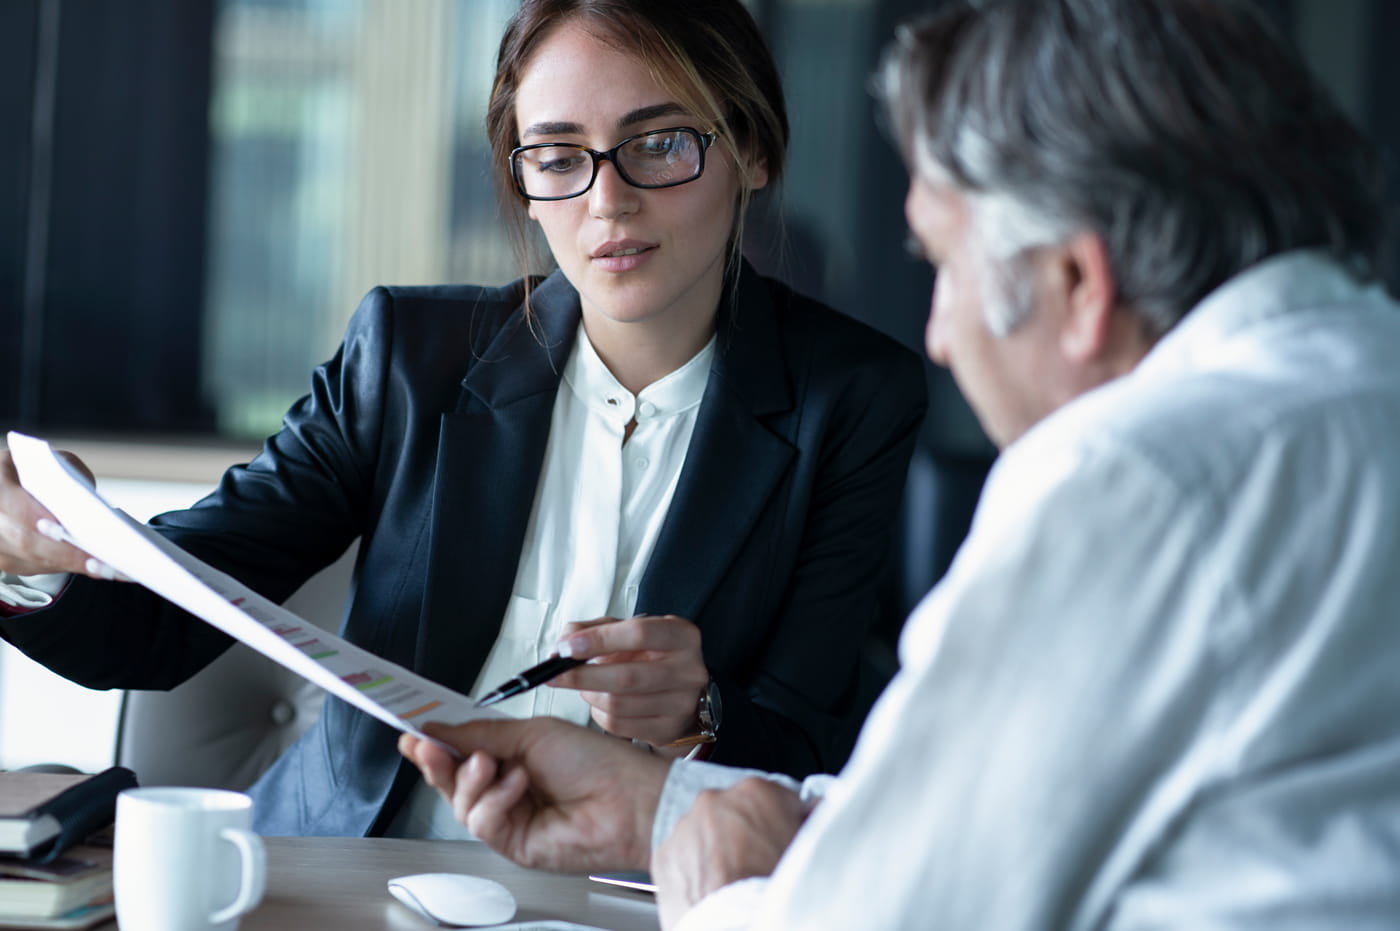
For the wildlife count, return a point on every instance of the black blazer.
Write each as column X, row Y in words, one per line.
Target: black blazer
column 424, row 436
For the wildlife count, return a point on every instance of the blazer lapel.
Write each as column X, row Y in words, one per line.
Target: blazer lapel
column 491, row 450
column 733, row 463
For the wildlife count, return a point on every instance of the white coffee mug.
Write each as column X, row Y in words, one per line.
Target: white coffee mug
column 185, row 859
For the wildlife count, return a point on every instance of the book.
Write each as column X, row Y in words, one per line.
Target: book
column 84, row 916
column 24, row 824
column 41, row 814
column 77, row 882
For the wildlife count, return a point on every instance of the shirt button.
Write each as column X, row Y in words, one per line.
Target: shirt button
column 612, row 402
column 647, row 408
column 643, row 463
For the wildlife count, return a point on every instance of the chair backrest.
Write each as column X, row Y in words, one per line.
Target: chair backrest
column 225, row 726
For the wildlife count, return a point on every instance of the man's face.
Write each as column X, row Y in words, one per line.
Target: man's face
column 1011, row 381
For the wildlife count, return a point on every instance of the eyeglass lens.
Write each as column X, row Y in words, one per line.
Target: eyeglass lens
column 658, row 159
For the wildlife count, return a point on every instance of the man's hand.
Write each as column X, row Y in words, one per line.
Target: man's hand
column 727, row 836
column 646, row 675
column 30, row 541
column 545, row 793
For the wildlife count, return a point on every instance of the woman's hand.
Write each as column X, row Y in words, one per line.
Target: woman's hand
column 30, row 539
column 645, row 678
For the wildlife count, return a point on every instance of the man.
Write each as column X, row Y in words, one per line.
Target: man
column 1157, row 687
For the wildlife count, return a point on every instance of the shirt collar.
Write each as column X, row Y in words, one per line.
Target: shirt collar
column 595, row 386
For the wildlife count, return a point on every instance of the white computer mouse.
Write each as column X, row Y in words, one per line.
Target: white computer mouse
column 455, row 899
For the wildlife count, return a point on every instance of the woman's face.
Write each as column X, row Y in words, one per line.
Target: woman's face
column 648, row 258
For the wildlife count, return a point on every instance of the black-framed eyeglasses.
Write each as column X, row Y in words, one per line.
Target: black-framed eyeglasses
column 658, row 159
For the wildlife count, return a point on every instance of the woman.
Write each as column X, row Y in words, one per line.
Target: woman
column 652, row 458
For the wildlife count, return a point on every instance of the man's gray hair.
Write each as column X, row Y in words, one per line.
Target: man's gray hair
column 1186, row 133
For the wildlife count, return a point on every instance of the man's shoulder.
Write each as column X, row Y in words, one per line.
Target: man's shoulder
column 1283, row 398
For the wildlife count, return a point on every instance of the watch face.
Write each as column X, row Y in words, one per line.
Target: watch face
column 711, row 709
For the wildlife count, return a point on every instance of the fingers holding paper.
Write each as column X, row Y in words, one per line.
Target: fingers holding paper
column 644, row 677
column 31, row 540
column 545, row 793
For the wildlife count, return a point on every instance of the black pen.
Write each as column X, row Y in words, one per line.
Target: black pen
column 533, row 677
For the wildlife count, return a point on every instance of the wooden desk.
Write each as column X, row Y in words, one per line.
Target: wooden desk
column 339, row 883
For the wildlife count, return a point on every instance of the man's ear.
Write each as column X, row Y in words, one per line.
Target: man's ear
column 1091, row 298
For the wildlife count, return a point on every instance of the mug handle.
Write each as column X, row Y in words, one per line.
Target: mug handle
column 253, row 880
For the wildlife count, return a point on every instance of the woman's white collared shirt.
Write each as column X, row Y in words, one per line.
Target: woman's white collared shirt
column 598, row 509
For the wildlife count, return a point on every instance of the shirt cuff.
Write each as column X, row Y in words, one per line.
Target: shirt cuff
column 687, row 779
column 728, row 908
column 731, row 907
column 28, row 592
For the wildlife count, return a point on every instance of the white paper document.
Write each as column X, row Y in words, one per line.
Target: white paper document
column 383, row 689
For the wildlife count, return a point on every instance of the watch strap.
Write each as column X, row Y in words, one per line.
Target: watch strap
column 706, row 715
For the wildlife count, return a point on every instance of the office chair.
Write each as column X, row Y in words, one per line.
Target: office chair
column 225, row 725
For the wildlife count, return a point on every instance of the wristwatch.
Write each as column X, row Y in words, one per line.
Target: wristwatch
column 708, row 711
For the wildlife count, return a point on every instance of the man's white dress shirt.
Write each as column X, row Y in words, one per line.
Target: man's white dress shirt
column 1160, row 685
column 598, row 510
